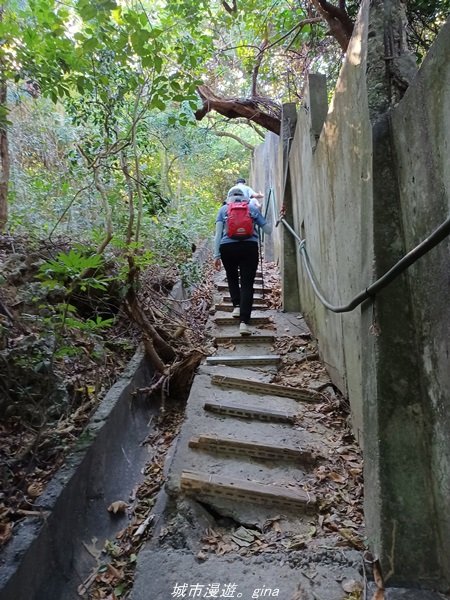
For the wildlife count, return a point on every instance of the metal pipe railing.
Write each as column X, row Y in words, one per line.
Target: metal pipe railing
column 439, row 234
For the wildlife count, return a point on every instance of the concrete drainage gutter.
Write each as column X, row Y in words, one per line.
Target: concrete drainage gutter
column 47, row 557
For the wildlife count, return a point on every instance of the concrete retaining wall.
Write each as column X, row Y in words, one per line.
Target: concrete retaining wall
column 420, row 134
column 366, row 187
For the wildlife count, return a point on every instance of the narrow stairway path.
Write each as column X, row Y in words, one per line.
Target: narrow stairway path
column 245, row 516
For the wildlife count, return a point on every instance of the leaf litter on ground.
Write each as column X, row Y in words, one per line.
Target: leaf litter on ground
column 33, row 448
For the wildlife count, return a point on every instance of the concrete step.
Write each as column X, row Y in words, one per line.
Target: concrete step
column 259, row 387
column 243, row 361
column 233, row 321
column 225, row 307
column 250, row 412
column 244, row 339
column 203, row 485
column 256, row 300
column 258, row 289
column 262, row 451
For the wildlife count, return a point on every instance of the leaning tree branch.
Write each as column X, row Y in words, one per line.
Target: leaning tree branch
column 257, row 130
column 234, row 137
column 263, row 111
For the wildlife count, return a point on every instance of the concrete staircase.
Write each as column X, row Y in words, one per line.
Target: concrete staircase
column 241, row 452
column 244, row 460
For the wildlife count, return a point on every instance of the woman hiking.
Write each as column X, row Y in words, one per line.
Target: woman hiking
column 236, row 246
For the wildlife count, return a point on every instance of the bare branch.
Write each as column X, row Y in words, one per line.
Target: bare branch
column 258, row 61
column 299, row 25
column 230, row 9
column 238, row 122
column 257, row 130
column 234, row 137
column 66, row 210
column 107, row 208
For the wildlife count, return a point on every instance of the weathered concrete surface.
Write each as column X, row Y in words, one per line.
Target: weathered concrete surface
column 46, row 559
column 375, row 185
column 405, row 594
column 330, row 183
column 333, row 185
column 397, row 445
column 289, row 255
column 406, row 372
column 246, row 578
column 422, row 152
column 285, row 324
column 177, row 561
column 267, row 175
column 198, row 422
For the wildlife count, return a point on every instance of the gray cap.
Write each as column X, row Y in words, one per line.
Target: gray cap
column 236, row 192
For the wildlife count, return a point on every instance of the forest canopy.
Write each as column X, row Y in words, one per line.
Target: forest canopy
column 122, row 125
column 128, row 82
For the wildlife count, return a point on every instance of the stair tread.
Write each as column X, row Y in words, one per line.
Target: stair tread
column 225, row 307
column 233, row 321
column 256, row 449
column 248, row 411
column 234, row 359
column 256, row 338
column 198, row 483
column 273, row 389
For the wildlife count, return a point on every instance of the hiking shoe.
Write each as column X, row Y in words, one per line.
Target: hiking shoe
column 244, row 329
column 236, row 312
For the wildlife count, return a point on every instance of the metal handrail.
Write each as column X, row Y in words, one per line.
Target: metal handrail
column 439, row 234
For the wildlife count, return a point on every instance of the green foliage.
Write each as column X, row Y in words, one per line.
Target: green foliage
column 90, row 325
column 191, row 273
column 70, row 272
column 126, row 80
column 425, row 18
column 69, row 269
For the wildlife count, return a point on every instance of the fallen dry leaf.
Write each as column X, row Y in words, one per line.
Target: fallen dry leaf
column 336, row 477
column 351, row 585
column 35, row 489
column 5, row 532
column 118, row 507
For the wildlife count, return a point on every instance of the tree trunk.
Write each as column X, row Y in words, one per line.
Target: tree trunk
column 4, row 164
column 4, row 150
column 339, row 22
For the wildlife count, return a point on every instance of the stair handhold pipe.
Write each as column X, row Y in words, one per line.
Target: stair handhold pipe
column 261, row 261
column 439, row 234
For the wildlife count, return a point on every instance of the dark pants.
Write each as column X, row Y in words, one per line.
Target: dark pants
column 240, row 260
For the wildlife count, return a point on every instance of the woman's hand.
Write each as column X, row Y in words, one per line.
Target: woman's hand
column 217, row 264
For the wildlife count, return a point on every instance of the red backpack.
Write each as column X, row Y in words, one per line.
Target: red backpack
column 239, row 221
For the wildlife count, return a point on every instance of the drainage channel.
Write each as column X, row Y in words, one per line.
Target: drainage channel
column 51, row 557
